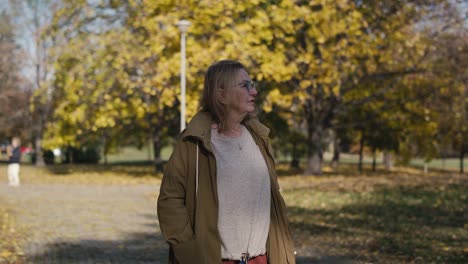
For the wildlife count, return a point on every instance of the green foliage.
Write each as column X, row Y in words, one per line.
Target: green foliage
column 450, row 100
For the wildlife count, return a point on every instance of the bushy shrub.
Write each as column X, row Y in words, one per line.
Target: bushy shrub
column 83, row 155
column 49, row 157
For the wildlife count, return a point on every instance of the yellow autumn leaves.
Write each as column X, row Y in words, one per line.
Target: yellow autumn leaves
column 121, row 70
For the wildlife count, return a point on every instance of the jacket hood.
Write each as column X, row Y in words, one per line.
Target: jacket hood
column 200, row 127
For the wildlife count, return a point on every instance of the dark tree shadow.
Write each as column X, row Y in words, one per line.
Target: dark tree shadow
column 143, row 247
column 137, row 248
column 323, row 260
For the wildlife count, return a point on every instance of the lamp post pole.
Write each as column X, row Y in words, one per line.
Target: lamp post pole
column 183, row 27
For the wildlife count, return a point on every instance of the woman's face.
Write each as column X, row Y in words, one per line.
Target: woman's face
column 239, row 100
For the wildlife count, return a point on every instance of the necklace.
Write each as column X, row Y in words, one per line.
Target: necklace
column 236, row 137
column 239, row 144
column 240, row 140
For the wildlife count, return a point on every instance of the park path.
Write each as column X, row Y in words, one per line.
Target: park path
column 96, row 223
column 87, row 223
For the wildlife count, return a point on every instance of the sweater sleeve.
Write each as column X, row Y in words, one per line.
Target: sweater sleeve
column 173, row 216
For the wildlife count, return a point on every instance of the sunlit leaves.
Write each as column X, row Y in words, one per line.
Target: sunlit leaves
column 315, row 58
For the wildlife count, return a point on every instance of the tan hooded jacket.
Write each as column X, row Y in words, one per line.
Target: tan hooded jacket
column 189, row 218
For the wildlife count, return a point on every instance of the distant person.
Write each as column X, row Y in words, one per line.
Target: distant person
column 14, row 156
column 219, row 200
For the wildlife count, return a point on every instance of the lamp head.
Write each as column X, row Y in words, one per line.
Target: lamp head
column 183, row 25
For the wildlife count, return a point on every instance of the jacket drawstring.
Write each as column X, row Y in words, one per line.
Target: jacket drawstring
column 196, row 175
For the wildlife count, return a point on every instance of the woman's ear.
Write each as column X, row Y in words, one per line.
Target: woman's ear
column 221, row 95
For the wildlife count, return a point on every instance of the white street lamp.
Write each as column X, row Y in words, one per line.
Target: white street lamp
column 183, row 27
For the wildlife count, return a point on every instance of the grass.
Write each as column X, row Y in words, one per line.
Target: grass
column 133, row 154
column 88, row 174
column 442, row 164
column 448, row 164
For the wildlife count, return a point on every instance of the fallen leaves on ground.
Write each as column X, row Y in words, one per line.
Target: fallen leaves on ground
column 402, row 216
column 398, row 216
column 10, row 247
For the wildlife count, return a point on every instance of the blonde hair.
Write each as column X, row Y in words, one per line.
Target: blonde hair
column 219, row 75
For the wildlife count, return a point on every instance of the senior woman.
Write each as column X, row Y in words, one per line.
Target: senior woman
column 219, row 200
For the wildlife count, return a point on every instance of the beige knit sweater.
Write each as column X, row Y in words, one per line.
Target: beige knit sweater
column 243, row 193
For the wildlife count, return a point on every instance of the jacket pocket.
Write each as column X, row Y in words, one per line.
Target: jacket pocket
column 186, row 252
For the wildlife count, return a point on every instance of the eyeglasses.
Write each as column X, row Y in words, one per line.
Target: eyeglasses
column 248, row 85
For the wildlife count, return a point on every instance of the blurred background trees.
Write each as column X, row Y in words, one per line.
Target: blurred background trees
column 14, row 92
column 378, row 76
column 31, row 18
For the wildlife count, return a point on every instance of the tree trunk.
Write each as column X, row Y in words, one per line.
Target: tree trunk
column 361, row 150
column 38, row 150
column 314, row 150
column 336, row 152
column 157, row 145
column 70, row 156
column 387, row 160
column 149, row 143
column 105, row 148
column 295, row 159
column 374, row 161
column 314, row 165
column 462, row 157
column 464, row 144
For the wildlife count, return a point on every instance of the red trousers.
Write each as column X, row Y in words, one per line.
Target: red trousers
column 256, row 260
